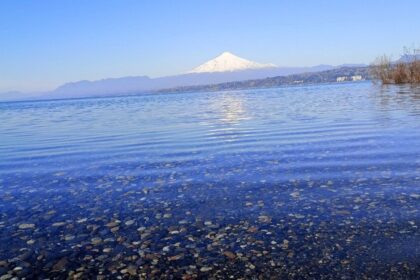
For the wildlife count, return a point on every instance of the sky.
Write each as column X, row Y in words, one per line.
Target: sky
column 46, row 43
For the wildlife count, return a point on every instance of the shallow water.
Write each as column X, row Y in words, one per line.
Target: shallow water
column 315, row 181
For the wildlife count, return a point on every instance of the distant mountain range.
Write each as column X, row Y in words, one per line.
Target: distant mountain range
column 225, row 68
column 342, row 74
column 127, row 85
column 406, row 58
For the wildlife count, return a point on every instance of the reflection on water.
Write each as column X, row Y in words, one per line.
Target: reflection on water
column 398, row 97
column 308, row 182
column 231, row 109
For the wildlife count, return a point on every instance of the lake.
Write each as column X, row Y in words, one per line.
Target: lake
column 319, row 181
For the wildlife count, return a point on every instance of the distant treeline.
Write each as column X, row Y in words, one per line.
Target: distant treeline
column 328, row 76
column 404, row 71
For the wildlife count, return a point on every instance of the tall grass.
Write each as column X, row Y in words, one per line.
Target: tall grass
column 406, row 71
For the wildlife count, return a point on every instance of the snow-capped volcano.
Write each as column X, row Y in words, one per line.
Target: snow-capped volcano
column 228, row 62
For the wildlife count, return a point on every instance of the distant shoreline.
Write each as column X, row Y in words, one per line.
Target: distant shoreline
column 340, row 75
column 309, row 78
column 181, row 92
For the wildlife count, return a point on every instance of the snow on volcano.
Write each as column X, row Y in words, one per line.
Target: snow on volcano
column 228, row 62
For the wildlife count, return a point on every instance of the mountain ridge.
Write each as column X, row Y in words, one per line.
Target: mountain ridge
column 225, row 68
column 361, row 73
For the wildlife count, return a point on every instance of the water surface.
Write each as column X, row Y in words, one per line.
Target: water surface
column 309, row 181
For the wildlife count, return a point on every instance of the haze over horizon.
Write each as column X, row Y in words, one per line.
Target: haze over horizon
column 46, row 44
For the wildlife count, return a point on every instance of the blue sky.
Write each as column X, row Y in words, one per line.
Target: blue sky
column 46, row 43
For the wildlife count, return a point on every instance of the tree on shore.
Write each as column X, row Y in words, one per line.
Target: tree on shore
column 404, row 71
